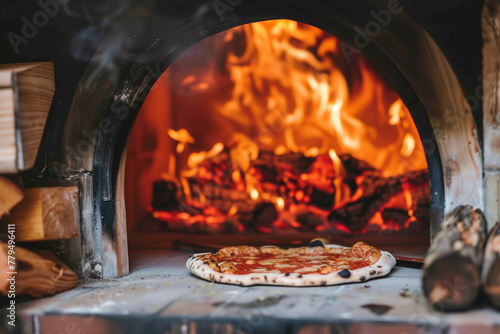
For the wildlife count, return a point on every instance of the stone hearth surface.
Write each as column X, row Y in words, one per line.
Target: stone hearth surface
column 161, row 296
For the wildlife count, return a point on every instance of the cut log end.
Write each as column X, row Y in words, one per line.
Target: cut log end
column 46, row 213
column 492, row 289
column 491, row 267
column 452, row 283
column 10, row 195
column 452, row 269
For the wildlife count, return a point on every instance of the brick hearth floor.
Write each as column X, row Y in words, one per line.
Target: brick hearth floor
column 161, row 296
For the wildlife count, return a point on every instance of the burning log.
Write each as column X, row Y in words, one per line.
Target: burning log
column 375, row 190
column 491, row 267
column 39, row 273
column 451, row 278
column 349, row 195
column 165, row 195
column 264, row 215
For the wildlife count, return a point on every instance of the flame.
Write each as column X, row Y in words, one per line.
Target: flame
column 254, row 194
column 280, row 203
column 181, row 135
column 408, row 145
column 196, row 158
column 232, row 211
column 290, row 80
column 395, row 112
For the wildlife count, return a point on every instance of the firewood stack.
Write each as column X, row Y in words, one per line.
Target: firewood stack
column 320, row 195
column 452, row 269
column 34, row 214
column 461, row 261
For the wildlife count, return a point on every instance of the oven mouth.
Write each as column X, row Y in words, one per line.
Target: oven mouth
column 271, row 128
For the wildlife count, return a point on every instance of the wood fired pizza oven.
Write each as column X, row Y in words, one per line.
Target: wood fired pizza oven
column 142, row 46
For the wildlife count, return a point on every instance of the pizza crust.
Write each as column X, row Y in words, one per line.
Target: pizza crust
column 380, row 268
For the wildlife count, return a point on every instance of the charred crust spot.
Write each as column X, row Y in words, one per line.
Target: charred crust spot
column 287, row 274
column 373, row 272
column 254, row 278
column 323, row 283
column 300, row 276
column 265, row 278
column 379, row 266
column 362, row 278
column 316, row 243
column 213, row 261
column 205, row 262
column 345, row 273
column 274, row 280
column 240, row 283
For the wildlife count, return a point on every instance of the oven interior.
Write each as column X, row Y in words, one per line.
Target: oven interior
column 267, row 133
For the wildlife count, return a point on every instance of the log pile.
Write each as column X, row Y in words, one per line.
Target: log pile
column 320, row 195
column 452, row 268
column 37, row 273
column 34, row 214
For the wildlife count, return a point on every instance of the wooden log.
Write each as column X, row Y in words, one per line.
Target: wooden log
column 26, row 92
column 451, row 278
column 491, row 267
column 37, row 273
column 46, row 214
column 489, row 84
column 10, row 195
column 375, row 190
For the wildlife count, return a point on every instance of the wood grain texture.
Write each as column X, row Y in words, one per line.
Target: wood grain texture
column 8, row 148
column 46, row 214
column 491, row 79
column 121, row 246
column 491, row 267
column 10, row 195
column 451, row 278
column 490, row 22
column 39, row 273
column 33, row 88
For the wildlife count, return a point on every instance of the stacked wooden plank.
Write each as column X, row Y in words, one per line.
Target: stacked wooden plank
column 34, row 214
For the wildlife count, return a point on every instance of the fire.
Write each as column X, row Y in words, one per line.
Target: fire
column 287, row 113
column 182, row 137
column 291, row 80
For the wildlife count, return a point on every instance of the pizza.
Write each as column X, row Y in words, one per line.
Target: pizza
column 316, row 264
